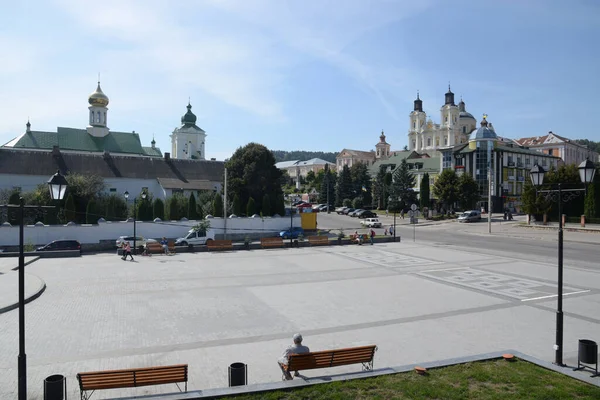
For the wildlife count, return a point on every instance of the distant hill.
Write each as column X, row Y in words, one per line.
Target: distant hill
column 595, row 146
column 281, row 155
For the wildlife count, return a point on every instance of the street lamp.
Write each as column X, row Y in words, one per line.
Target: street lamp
column 143, row 196
column 560, row 195
column 57, row 184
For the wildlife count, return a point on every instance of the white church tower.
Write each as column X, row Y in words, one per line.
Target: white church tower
column 449, row 113
column 417, row 125
column 98, row 112
column 187, row 142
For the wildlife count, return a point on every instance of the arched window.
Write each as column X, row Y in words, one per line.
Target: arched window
column 445, row 141
column 428, row 142
column 437, row 142
column 414, row 125
column 414, row 144
column 98, row 117
column 105, row 118
column 464, row 129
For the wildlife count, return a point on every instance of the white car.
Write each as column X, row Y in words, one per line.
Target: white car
column 371, row 222
column 139, row 241
column 195, row 237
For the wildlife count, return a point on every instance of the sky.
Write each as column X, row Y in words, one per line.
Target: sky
column 319, row 75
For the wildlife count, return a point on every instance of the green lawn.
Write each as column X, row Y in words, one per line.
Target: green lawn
column 496, row 379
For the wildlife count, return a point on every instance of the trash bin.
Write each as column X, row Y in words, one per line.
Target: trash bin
column 55, row 387
column 238, row 374
column 588, row 354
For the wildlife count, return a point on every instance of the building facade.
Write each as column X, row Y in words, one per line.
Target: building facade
column 425, row 136
column 552, row 144
column 187, row 141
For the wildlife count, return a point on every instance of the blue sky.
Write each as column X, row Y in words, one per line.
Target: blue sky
column 300, row 75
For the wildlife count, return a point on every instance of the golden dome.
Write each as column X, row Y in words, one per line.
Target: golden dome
column 98, row 98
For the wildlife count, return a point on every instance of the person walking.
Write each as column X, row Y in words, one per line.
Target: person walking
column 127, row 251
column 372, row 236
column 391, row 230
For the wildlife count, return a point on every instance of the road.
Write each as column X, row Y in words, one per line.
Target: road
column 581, row 249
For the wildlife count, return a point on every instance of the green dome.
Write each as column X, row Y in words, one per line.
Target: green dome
column 189, row 118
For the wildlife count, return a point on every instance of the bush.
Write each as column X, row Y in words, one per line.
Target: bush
column 158, row 209
column 347, row 203
column 357, row 203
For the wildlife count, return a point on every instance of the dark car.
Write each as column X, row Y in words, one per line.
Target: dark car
column 348, row 210
column 366, row 214
column 59, row 245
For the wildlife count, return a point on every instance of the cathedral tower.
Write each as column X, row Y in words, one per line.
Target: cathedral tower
column 98, row 113
column 417, row 125
column 187, row 141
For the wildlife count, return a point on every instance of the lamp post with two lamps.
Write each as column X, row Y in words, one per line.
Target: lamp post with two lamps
column 143, row 196
column 559, row 194
column 57, row 184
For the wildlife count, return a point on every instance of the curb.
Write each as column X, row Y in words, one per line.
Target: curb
column 32, row 297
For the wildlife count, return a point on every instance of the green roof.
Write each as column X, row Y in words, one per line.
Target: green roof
column 81, row 140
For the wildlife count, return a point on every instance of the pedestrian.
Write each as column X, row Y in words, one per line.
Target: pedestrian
column 386, row 212
column 385, row 232
column 391, row 230
column 165, row 245
column 372, row 235
column 296, row 348
column 127, row 251
column 402, row 214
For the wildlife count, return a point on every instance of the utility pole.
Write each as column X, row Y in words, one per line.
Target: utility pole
column 225, row 206
column 490, row 179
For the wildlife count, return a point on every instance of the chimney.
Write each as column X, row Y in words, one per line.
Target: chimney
column 55, row 151
column 167, row 156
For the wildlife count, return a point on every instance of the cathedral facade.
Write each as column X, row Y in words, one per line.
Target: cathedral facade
column 425, row 136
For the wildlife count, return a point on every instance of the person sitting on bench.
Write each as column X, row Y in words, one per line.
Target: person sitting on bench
column 296, row 348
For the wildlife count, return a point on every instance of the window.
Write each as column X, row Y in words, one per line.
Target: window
column 414, row 125
column 437, row 142
column 447, row 160
column 550, row 151
column 445, row 141
column 414, row 144
column 544, row 161
column 464, row 129
column 428, row 142
column 112, row 190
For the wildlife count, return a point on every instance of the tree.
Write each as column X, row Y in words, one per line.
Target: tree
column 380, row 188
column 590, row 201
column 310, row 176
column 70, row 211
column 252, row 173
column 468, row 192
column 445, row 188
column 280, row 206
column 361, row 182
column 402, row 191
column 250, row 207
column 343, row 187
column 217, row 206
column 237, row 206
column 266, row 206
column 327, row 185
column 91, row 213
column 174, row 208
column 192, row 209
column 424, row 191
column 158, row 209
column 83, row 188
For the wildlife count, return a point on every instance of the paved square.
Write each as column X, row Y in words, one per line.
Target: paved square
column 417, row 303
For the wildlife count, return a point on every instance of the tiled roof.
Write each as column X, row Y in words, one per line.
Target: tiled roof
column 81, row 140
column 550, row 138
column 358, row 153
column 42, row 163
column 286, row 164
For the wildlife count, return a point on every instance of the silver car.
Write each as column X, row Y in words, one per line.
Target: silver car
column 470, row 216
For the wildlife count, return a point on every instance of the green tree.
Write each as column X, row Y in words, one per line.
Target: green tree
column 266, row 206
column 424, row 191
column 347, row 202
column 250, row 207
column 357, row 203
column 468, row 192
column 192, row 209
column 310, row 177
column 402, row 188
column 252, row 173
column 91, row 213
column 361, row 182
column 83, row 188
column 327, row 185
column 158, row 209
column 343, row 187
column 237, row 206
column 173, row 208
column 280, row 206
column 445, row 188
column 217, row 206
column 205, row 202
column 590, row 202
column 70, row 210
column 381, row 187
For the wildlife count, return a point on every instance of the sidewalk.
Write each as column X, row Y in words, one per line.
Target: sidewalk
column 9, row 280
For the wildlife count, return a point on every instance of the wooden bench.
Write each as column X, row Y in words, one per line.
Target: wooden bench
column 271, row 242
column 318, row 240
column 171, row 246
column 157, row 248
column 126, row 378
column 332, row 358
column 219, row 245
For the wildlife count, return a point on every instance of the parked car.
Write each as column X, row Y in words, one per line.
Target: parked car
column 355, row 212
column 293, row 233
column 470, row 216
column 371, row 222
column 62, row 244
column 139, row 241
column 323, row 208
column 195, row 237
column 366, row 214
column 340, row 210
column 348, row 210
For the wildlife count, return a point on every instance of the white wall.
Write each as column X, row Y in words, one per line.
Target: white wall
column 89, row 234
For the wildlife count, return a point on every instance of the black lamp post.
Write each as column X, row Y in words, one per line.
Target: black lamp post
column 57, row 184
column 560, row 195
column 143, row 195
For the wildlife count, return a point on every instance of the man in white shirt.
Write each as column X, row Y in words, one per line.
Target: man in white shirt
column 296, row 348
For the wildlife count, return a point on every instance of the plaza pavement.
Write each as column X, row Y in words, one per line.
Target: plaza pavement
column 416, row 302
